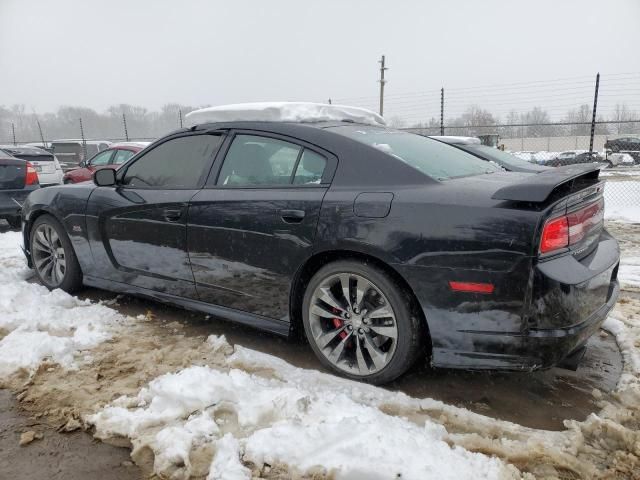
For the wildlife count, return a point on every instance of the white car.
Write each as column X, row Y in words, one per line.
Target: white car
column 45, row 163
column 620, row 160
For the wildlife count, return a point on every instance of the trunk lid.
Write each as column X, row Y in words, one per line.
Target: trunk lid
column 12, row 173
column 550, row 184
column 42, row 163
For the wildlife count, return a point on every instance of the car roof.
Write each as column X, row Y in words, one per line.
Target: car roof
column 79, row 140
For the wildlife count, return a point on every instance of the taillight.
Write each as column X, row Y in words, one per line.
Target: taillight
column 562, row 232
column 32, row 176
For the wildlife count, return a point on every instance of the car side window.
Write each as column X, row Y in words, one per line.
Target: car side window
column 122, row 156
column 310, row 168
column 176, row 163
column 254, row 160
column 101, row 159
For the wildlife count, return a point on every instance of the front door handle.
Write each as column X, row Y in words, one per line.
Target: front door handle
column 172, row 214
column 292, row 216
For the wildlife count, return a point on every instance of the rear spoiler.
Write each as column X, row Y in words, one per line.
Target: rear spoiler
column 538, row 187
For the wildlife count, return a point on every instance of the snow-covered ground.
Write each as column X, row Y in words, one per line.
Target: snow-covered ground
column 227, row 412
column 36, row 324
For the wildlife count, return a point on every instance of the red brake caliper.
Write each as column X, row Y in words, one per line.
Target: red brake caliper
column 338, row 322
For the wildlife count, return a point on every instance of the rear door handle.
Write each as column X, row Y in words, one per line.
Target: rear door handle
column 172, row 214
column 292, row 216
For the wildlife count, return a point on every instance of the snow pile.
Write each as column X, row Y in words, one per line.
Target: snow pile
column 227, row 416
column 36, row 324
column 283, row 112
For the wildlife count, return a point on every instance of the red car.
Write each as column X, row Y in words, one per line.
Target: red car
column 112, row 157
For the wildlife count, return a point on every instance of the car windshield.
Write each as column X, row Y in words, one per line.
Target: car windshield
column 433, row 158
column 498, row 156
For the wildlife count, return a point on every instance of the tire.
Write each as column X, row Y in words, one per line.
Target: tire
column 14, row 222
column 336, row 331
column 47, row 238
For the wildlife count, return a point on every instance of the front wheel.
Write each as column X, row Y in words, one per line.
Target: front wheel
column 53, row 257
column 360, row 323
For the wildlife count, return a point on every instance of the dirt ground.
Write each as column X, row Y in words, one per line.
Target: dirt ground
column 54, row 400
column 56, row 456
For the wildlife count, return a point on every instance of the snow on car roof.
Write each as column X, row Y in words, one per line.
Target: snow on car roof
column 130, row 144
column 283, row 112
column 456, row 140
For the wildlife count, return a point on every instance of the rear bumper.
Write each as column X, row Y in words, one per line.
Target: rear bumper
column 11, row 202
column 548, row 347
column 519, row 327
column 48, row 179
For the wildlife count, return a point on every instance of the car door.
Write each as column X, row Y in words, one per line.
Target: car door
column 137, row 229
column 254, row 223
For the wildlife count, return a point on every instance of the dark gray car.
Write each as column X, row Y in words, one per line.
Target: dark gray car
column 18, row 178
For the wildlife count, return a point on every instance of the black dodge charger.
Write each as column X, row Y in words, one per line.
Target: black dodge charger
column 379, row 245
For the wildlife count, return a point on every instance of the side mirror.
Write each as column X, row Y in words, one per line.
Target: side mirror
column 82, row 164
column 105, row 177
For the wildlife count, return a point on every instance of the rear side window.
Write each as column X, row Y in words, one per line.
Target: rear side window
column 433, row 158
column 122, row 156
column 253, row 160
column 310, row 169
column 101, row 159
column 176, row 163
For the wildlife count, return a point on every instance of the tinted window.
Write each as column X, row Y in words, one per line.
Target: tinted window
column 122, row 156
column 431, row 157
column 253, row 160
column 177, row 163
column 310, row 168
column 496, row 155
column 101, row 159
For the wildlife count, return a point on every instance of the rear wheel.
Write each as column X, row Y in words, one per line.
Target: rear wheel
column 54, row 259
column 360, row 323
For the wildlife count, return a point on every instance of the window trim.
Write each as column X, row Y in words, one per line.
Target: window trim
column 327, row 176
column 122, row 171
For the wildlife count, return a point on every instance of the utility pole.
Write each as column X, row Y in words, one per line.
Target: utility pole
column 124, row 122
column 382, row 82
column 84, row 142
column 442, row 111
column 44, row 144
column 593, row 118
column 13, row 131
column 180, row 116
column 329, row 101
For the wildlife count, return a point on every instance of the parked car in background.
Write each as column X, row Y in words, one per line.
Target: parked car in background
column 18, row 178
column 629, row 145
column 112, row 157
column 620, row 160
column 543, row 157
column 525, row 155
column 70, row 152
column 381, row 245
column 44, row 146
column 571, row 157
column 45, row 163
column 507, row 161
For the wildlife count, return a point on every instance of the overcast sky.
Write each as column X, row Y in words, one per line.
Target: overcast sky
column 97, row 53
